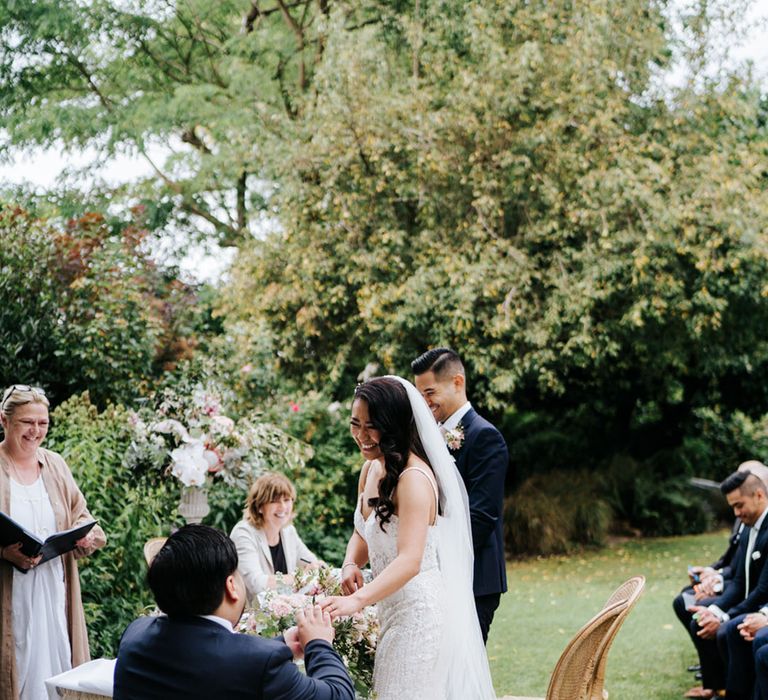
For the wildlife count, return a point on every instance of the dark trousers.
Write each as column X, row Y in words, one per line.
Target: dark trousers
column 739, row 663
column 710, row 656
column 760, row 655
column 486, row 607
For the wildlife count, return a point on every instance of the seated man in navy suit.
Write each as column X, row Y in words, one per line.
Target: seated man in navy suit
column 192, row 653
column 747, row 593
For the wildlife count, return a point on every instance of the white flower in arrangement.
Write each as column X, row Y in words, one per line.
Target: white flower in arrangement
column 222, row 425
column 172, row 427
column 189, row 463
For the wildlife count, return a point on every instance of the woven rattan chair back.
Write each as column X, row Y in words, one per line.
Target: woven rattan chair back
column 152, row 547
column 630, row 591
column 572, row 678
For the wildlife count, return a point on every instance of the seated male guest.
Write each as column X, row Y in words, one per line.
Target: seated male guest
column 760, row 651
column 192, row 653
column 744, row 635
column 747, row 593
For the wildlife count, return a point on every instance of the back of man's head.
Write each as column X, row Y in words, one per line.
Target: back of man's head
column 442, row 362
column 188, row 575
column 745, row 481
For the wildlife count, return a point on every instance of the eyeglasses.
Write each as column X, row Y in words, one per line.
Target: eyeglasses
column 20, row 387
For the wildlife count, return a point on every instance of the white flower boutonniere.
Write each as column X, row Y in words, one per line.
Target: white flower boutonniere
column 454, row 438
column 756, row 555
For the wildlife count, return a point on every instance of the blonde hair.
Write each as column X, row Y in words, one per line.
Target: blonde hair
column 267, row 488
column 20, row 395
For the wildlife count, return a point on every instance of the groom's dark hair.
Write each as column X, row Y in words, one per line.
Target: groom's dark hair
column 439, row 361
column 390, row 412
column 189, row 573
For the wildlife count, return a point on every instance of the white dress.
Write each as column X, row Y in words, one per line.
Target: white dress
column 411, row 619
column 39, row 600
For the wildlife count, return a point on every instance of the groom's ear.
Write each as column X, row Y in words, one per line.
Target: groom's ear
column 232, row 590
column 459, row 382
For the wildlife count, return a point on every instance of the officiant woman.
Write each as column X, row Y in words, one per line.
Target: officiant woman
column 42, row 630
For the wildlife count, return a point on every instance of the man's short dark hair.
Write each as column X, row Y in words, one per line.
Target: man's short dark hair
column 440, row 361
column 747, row 482
column 189, row 573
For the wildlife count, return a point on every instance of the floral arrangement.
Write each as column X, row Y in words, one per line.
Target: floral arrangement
column 188, row 435
column 454, row 438
column 356, row 636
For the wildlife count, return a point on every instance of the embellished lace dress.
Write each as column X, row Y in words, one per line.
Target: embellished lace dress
column 411, row 619
column 39, row 600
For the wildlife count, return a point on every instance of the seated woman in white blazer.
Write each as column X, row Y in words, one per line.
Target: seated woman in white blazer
column 267, row 543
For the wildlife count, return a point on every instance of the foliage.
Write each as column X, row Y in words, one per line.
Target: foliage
column 84, row 307
column 550, row 514
column 130, row 510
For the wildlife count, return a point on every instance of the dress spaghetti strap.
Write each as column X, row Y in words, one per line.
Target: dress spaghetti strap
column 431, row 479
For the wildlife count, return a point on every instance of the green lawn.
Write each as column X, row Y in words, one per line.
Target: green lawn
column 550, row 599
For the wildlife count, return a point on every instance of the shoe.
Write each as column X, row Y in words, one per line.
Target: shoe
column 701, row 693
column 695, row 667
column 698, row 676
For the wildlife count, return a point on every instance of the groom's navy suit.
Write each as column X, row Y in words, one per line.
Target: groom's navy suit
column 193, row 658
column 482, row 461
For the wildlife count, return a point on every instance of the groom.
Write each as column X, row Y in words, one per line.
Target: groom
column 481, row 457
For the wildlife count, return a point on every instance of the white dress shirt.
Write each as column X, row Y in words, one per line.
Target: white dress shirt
column 454, row 419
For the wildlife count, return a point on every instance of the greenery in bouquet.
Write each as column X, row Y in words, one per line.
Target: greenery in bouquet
column 185, row 431
column 356, row 636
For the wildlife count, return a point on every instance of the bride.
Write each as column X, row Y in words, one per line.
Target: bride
column 412, row 523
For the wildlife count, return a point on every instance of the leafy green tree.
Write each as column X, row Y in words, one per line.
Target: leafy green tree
column 85, row 308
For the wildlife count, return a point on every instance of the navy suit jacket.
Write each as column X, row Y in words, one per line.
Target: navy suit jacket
column 732, row 600
column 192, row 658
column 482, row 461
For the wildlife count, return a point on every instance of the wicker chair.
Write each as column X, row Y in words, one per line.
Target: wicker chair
column 152, row 547
column 630, row 591
column 573, row 676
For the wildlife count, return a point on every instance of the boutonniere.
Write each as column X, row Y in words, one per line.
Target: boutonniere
column 755, row 555
column 454, row 438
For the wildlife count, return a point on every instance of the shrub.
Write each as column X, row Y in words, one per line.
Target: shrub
column 549, row 514
column 129, row 509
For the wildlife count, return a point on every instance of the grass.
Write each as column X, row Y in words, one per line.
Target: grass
column 550, row 599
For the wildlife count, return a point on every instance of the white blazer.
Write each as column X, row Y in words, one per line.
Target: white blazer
column 255, row 559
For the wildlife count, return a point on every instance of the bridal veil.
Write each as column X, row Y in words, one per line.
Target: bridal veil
column 463, row 662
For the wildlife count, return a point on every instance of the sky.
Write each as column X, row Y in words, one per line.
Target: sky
column 44, row 168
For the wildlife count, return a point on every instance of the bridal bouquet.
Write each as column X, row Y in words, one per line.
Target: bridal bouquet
column 356, row 636
column 188, row 434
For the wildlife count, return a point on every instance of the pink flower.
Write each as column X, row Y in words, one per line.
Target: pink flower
column 294, row 407
column 246, row 369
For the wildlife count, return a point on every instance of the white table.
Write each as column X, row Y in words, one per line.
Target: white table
column 90, row 681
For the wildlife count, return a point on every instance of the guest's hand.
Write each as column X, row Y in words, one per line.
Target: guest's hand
column 751, row 624
column 291, row 637
column 341, row 606
column 708, row 622
column 706, row 589
column 15, row 556
column 351, row 579
column 314, row 624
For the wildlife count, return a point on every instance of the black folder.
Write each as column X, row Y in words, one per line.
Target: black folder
column 31, row 545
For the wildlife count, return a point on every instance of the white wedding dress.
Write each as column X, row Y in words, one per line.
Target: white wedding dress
column 430, row 646
column 411, row 619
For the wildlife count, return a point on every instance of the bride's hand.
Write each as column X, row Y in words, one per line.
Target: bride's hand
column 340, row 606
column 351, row 579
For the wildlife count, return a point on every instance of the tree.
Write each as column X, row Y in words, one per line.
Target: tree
column 515, row 181
column 84, row 307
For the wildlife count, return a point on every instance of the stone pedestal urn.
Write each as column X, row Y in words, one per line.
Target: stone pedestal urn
column 193, row 505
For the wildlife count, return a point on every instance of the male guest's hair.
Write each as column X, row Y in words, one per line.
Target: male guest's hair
column 440, row 361
column 745, row 481
column 189, row 573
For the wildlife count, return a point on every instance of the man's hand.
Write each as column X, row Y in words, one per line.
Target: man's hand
column 710, row 582
column 708, row 622
column 751, row 624
column 314, row 624
column 291, row 637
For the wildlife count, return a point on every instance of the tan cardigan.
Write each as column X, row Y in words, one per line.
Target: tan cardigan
column 69, row 508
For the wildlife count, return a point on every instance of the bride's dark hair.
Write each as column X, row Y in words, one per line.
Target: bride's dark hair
column 390, row 412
